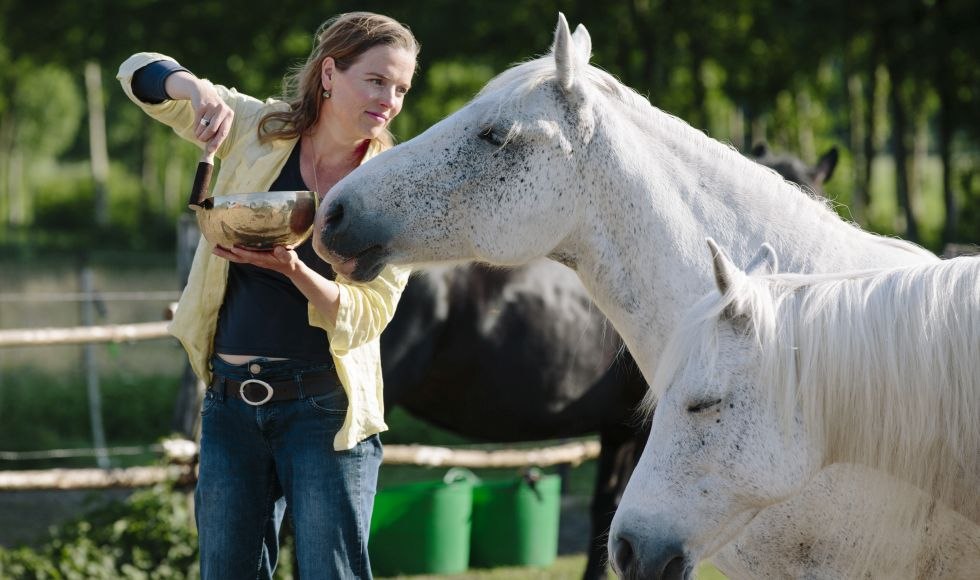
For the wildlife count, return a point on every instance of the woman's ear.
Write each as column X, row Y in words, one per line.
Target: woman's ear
column 326, row 73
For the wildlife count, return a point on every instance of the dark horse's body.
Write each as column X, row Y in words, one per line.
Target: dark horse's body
column 507, row 355
column 519, row 355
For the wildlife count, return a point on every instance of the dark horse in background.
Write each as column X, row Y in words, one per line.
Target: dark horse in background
column 521, row 354
column 795, row 170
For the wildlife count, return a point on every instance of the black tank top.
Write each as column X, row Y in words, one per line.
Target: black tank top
column 263, row 313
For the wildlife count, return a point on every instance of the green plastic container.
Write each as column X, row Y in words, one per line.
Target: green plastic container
column 515, row 521
column 422, row 528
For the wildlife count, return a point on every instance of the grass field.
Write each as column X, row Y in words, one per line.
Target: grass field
column 565, row 567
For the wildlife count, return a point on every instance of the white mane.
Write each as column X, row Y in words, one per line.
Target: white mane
column 884, row 365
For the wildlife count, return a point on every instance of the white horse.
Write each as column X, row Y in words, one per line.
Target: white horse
column 772, row 378
column 556, row 158
column 837, row 539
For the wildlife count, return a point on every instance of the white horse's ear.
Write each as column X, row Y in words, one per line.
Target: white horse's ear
column 725, row 270
column 583, row 43
column 568, row 51
column 727, row 274
column 765, row 261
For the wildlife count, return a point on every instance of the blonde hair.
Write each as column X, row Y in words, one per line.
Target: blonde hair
column 345, row 38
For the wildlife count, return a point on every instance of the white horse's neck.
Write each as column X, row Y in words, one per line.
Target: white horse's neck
column 674, row 187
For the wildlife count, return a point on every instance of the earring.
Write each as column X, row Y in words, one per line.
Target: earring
column 326, row 94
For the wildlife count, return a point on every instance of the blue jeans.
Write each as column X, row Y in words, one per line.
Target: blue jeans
column 256, row 460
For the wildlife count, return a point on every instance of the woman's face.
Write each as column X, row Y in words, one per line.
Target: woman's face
column 367, row 96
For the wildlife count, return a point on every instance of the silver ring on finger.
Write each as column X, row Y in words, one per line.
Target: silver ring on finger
column 205, row 122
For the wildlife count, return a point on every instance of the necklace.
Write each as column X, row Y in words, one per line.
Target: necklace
column 316, row 180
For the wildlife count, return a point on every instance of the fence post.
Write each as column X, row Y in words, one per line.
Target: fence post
column 92, row 370
column 186, row 418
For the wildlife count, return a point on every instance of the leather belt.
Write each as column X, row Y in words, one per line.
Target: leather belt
column 257, row 392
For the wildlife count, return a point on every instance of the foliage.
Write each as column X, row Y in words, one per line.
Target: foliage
column 447, row 87
column 48, row 111
column 742, row 70
column 148, row 536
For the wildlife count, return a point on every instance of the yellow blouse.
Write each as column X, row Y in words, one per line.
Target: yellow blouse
column 364, row 309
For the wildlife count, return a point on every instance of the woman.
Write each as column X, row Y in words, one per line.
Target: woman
column 281, row 317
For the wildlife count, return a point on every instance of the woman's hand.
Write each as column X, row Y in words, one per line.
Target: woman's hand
column 212, row 116
column 322, row 293
column 282, row 259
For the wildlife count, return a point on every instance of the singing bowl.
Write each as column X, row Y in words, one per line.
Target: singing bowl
column 258, row 221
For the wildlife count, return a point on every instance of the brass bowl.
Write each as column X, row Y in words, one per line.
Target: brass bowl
column 258, row 221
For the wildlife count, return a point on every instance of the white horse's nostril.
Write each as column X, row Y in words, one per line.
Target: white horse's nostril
column 675, row 569
column 622, row 556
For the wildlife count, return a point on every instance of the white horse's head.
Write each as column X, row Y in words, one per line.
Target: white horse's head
column 718, row 452
column 772, row 378
column 495, row 181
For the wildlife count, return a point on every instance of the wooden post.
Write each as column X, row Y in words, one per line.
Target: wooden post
column 91, row 366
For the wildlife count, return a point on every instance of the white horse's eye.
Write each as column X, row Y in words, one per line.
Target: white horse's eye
column 488, row 135
column 702, row 406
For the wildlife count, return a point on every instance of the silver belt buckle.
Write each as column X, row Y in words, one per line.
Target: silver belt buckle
column 268, row 392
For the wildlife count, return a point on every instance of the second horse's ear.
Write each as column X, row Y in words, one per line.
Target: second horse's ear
column 725, row 270
column 764, row 262
column 727, row 274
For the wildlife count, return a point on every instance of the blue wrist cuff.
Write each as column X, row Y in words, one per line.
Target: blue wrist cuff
column 149, row 82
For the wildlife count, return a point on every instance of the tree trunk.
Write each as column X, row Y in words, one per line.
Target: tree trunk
column 6, row 149
column 919, row 133
column 15, row 185
column 173, row 184
column 647, row 38
column 758, row 130
column 699, row 107
column 870, row 129
column 148, row 175
column 99, row 154
column 736, row 129
column 858, row 115
column 945, row 139
column 900, row 129
column 804, row 114
column 945, row 129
